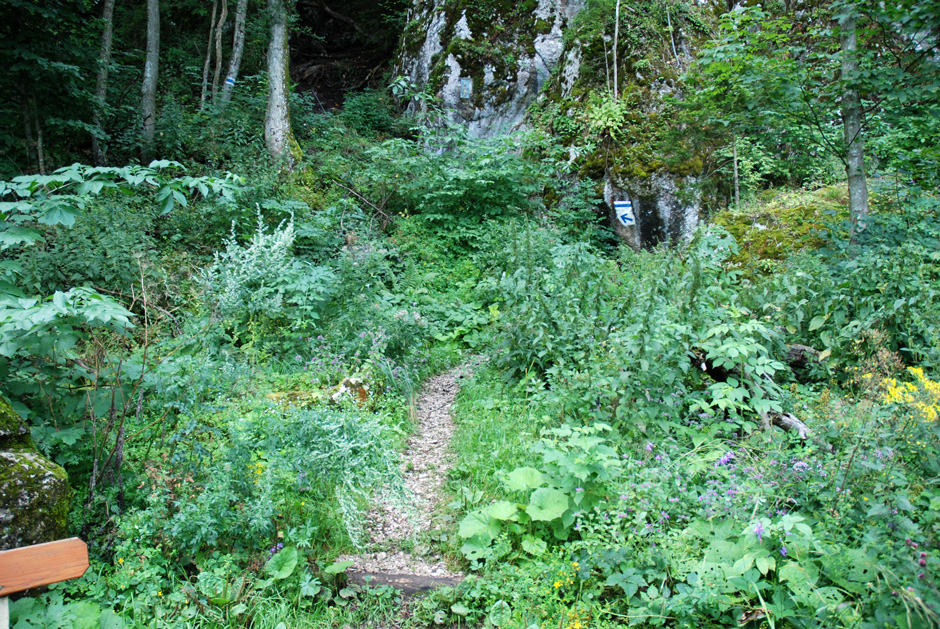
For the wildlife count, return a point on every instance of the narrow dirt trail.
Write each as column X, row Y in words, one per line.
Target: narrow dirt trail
column 393, row 527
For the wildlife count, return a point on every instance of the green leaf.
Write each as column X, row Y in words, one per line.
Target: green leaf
column 547, row 504
column 765, row 564
column 460, row 610
column 475, row 523
column 338, row 567
column 500, row 613
column 17, row 235
column 524, row 479
column 282, row 565
column 628, row 580
column 59, row 214
column 87, row 615
column 502, row 510
column 534, row 545
column 90, row 187
column 817, row 322
column 798, row 580
column 474, row 549
column 110, row 620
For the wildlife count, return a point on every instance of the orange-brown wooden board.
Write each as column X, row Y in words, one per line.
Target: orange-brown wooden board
column 42, row 564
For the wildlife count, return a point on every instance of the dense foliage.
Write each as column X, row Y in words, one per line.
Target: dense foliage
column 226, row 355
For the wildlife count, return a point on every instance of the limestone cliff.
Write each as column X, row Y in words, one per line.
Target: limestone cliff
column 499, row 66
column 488, row 59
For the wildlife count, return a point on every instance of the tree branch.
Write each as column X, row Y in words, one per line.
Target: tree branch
column 340, row 17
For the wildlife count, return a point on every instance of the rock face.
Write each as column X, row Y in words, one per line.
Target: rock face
column 489, row 63
column 663, row 213
column 34, row 492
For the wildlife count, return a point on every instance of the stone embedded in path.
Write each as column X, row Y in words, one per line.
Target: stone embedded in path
column 407, row 583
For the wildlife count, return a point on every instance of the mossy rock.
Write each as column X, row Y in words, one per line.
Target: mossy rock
column 34, row 492
column 14, row 434
column 773, row 231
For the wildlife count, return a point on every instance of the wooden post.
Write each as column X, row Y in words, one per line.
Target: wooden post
column 42, row 564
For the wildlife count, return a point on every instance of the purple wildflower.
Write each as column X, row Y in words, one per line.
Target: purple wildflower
column 783, row 551
column 725, row 459
column 759, row 532
column 649, row 447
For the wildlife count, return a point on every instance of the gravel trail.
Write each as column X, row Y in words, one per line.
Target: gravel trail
column 425, row 463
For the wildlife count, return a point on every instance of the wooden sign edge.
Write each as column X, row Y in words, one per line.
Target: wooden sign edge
column 21, row 557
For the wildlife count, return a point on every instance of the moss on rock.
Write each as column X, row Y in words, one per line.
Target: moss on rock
column 14, row 434
column 34, row 492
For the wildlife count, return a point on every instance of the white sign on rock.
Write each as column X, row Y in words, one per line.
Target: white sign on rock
column 624, row 212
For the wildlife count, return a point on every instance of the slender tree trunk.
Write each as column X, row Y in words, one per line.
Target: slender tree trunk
column 278, row 136
column 238, row 47
column 672, row 39
column 149, row 90
column 616, row 45
column 101, row 85
column 40, row 157
column 205, row 66
column 737, row 188
column 223, row 15
column 27, row 131
column 852, row 128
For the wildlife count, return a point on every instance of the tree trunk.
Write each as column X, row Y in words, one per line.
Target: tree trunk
column 101, row 85
column 737, row 186
column 278, row 136
column 223, row 15
column 672, row 40
column 39, row 152
column 149, row 90
column 238, row 47
column 205, row 66
column 616, row 38
column 852, row 128
column 27, row 131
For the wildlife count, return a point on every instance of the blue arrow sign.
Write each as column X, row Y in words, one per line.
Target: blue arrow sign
column 624, row 212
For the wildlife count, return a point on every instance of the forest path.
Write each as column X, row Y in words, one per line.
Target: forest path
column 394, row 554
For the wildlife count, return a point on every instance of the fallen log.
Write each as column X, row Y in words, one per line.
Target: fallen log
column 801, row 356
column 796, row 354
column 786, row 421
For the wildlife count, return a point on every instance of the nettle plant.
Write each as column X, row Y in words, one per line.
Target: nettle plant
column 578, row 466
